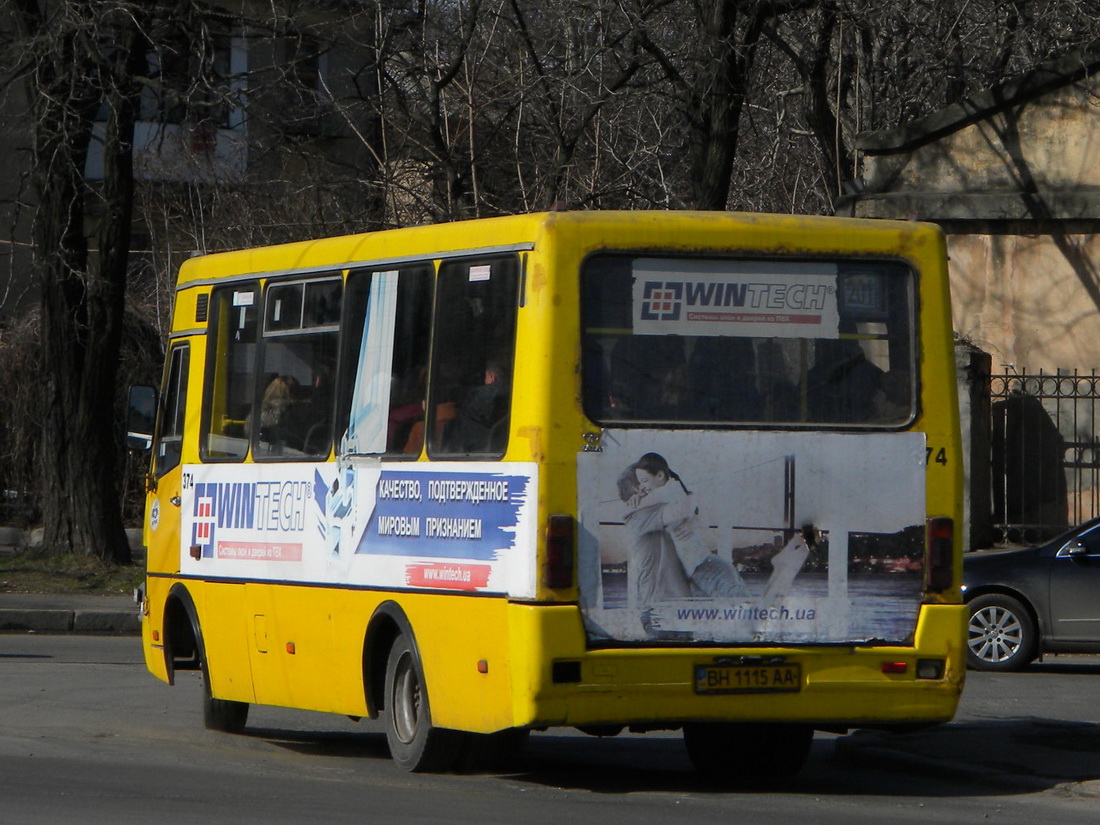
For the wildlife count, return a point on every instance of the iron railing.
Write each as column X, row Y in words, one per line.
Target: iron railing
column 1045, row 451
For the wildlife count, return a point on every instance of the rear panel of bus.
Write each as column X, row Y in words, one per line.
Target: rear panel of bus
column 767, row 474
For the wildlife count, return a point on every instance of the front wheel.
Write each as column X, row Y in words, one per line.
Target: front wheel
column 749, row 753
column 1000, row 635
column 223, row 715
column 415, row 743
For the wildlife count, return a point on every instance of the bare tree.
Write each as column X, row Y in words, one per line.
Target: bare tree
column 75, row 58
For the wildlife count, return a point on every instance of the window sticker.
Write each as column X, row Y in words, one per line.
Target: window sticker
column 780, row 299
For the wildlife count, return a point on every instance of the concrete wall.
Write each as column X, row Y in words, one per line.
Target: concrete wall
column 1018, row 193
column 1028, row 300
column 1051, row 143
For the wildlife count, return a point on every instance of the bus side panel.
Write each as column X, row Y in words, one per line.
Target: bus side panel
column 221, row 624
column 152, row 626
column 939, row 399
column 305, row 649
column 224, row 632
column 458, row 637
column 298, row 657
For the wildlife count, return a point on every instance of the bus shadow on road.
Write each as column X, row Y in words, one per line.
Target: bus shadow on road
column 982, row 759
column 336, row 744
column 1018, row 756
column 1027, row 754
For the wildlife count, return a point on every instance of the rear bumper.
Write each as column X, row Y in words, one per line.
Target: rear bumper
column 840, row 686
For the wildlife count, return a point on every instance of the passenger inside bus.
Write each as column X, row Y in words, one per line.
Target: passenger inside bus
column 480, row 415
column 842, row 383
column 722, row 371
column 406, row 409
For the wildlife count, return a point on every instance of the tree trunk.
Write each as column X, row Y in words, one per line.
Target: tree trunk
column 81, row 293
column 718, row 97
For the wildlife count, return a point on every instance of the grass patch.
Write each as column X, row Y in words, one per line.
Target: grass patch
column 67, row 573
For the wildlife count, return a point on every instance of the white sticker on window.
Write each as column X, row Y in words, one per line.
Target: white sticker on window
column 480, row 273
column 243, row 299
column 779, row 299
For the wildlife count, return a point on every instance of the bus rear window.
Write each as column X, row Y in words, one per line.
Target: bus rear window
column 703, row 341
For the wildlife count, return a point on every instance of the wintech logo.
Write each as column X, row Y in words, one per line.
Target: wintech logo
column 221, row 504
column 661, row 301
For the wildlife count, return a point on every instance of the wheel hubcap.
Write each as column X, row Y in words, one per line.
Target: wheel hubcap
column 996, row 634
column 406, row 700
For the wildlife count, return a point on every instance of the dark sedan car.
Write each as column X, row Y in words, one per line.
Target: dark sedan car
column 1035, row 600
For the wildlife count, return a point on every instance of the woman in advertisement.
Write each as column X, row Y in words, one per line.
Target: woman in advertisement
column 662, row 517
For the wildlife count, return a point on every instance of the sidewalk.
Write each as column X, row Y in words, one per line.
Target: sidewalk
column 69, row 613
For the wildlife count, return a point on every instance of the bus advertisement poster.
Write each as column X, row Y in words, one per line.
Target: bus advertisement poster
column 752, row 537
column 454, row 527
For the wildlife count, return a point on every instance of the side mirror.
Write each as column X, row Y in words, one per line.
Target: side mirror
column 141, row 418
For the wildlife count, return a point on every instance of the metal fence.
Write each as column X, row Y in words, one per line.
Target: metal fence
column 1045, row 452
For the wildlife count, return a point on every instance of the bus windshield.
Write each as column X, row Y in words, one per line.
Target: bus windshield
column 704, row 341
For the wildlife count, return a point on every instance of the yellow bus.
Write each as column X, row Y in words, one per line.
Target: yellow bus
column 604, row 470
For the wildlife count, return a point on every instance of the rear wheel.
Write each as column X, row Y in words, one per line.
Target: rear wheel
column 1000, row 635
column 415, row 743
column 747, row 754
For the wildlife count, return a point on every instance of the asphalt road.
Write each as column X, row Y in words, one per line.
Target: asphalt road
column 87, row 736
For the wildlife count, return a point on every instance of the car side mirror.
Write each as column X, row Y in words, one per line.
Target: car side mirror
column 141, row 418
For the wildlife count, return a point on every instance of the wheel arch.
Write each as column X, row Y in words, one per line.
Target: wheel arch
column 386, row 623
column 183, row 644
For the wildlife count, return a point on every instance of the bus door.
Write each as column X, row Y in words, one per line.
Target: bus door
column 164, row 508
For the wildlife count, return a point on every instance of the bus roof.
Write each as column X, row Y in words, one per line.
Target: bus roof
column 666, row 230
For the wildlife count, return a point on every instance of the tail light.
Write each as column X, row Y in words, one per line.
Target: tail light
column 940, row 555
column 559, row 552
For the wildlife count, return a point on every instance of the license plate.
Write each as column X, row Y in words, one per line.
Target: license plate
column 780, row 678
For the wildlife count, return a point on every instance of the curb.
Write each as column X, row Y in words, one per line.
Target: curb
column 92, row 622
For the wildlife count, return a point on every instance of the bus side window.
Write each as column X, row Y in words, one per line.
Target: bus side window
column 230, row 372
column 383, row 380
column 473, row 356
column 300, row 336
column 169, row 443
column 412, row 338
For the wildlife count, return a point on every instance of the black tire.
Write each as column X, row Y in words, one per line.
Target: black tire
column 415, row 743
column 1001, row 635
column 749, row 754
column 223, row 715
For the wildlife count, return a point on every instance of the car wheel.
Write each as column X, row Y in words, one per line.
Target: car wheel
column 1001, row 635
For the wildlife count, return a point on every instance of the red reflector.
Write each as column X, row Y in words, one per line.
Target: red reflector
column 559, row 552
column 290, row 648
column 894, row 667
column 156, row 635
column 482, row 666
column 940, row 555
